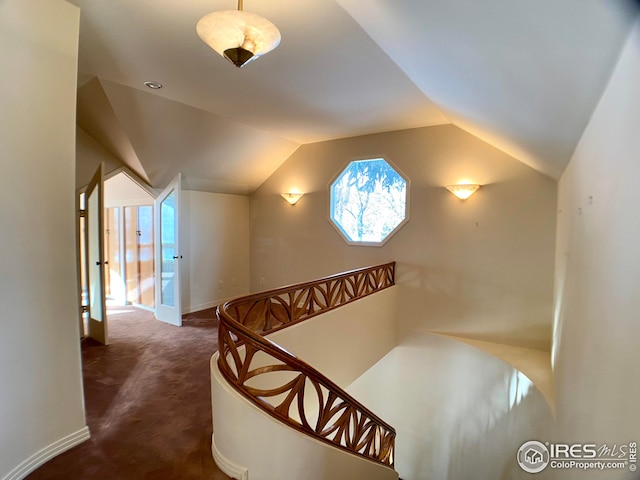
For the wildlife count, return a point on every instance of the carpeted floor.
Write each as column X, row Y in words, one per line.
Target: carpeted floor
column 148, row 402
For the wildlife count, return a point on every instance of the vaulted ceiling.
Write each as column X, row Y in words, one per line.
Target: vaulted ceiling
column 523, row 76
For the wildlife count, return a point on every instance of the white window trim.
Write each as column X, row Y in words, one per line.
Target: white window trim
column 407, row 207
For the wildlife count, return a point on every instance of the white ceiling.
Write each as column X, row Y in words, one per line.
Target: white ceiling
column 121, row 190
column 524, row 76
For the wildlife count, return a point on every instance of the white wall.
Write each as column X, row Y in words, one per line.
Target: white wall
column 41, row 404
column 597, row 319
column 215, row 247
column 89, row 154
column 243, row 445
column 342, row 344
column 121, row 190
column 480, row 267
column 459, row 413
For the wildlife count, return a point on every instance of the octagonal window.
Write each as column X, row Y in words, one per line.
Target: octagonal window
column 369, row 201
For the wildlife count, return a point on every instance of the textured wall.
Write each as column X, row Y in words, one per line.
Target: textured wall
column 215, row 246
column 459, row 413
column 597, row 332
column 41, row 400
column 481, row 267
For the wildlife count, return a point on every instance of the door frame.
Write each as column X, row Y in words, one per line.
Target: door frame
column 97, row 327
column 171, row 314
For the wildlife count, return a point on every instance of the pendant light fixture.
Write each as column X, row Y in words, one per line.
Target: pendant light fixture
column 238, row 36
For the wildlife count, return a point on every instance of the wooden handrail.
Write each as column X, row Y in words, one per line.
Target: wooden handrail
column 339, row 419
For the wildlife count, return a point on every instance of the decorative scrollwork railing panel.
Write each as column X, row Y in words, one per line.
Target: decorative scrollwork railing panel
column 286, row 387
column 266, row 312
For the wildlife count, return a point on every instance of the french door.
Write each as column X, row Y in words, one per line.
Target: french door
column 168, row 257
column 93, row 261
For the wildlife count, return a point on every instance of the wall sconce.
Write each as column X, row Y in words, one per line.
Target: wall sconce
column 463, row 191
column 292, row 198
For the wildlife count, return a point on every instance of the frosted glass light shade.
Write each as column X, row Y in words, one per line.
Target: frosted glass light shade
column 237, row 35
column 463, row 191
column 292, row 198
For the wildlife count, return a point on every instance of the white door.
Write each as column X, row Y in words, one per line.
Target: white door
column 168, row 258
column 94, row 262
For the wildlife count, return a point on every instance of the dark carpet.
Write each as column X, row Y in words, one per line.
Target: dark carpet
column 148, row 402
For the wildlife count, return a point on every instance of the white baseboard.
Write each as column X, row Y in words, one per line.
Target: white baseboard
column 206, row 306
column 227, row 466
column 47, row 453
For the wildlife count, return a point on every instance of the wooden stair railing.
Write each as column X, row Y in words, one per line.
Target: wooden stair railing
column 304, row 399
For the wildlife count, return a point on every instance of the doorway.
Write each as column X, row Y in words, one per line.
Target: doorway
column 115, row 247
column 129, row 250
column 134, row 251
column 129, row 243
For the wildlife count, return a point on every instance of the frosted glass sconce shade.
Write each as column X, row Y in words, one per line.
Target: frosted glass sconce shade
column 463, row 191
column 292, row 198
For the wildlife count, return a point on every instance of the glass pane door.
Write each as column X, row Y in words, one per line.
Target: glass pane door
column 167, row 210
column 94, row 261
column 168, row 247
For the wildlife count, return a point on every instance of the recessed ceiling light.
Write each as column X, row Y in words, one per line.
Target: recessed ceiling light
column 153, row 85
